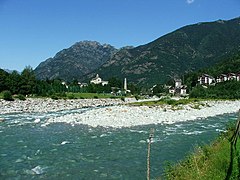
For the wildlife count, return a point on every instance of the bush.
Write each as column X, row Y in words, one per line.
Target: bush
column 137, row 97
column 55, row 97
column 7, row 96
column 95, row 97
column 21, row 97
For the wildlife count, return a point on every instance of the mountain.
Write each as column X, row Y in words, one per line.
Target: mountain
column 230, row 64
column 76, row 61
column 187, row 49
column 10, row 71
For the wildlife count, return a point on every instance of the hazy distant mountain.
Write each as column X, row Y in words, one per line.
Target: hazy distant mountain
column 10, row 71
column 187, row 49
column 76, row 61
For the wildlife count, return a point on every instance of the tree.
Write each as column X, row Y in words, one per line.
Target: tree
column 198, row 92
column 28, row 81
column 133, row 88
column 13, row 82
column 114, row 82
column 158, row 89
column 7, row 96
column 3, row 78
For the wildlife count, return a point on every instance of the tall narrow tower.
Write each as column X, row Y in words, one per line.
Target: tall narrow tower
column 125, row 84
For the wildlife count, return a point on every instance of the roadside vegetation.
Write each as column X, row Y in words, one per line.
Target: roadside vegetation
column 219, row 160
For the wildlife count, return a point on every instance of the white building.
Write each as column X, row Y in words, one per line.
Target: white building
column 206, row 79
column 221, row 78
column 98, row 80
column 178, row 88
column 82, row 84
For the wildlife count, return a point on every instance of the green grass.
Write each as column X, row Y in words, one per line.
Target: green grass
column 208, row 162
column 167, row 101
column 89, row 96
column 77, row 96
column 1, row 95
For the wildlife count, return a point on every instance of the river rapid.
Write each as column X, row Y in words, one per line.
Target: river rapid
column 31, row 150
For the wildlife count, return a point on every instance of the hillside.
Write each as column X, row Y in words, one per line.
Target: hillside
column 187, row 49
column 227, row 64
column 76, row 61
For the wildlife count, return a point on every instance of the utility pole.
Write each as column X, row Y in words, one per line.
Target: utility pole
column 150, row 140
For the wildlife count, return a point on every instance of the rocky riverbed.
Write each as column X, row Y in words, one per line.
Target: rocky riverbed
column 32, row 105
column 126, row 116
column 116, row 113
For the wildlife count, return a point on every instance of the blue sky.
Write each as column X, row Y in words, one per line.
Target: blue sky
column 33, row 30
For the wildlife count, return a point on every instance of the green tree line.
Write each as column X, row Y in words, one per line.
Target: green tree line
column 25, row 83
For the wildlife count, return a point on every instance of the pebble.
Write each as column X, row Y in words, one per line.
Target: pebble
column 127, row 116
column 48, row 105
column 118, row 115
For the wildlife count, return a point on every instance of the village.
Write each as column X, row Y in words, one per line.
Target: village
column 178, row 89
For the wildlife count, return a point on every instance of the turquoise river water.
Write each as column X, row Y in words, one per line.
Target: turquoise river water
column 62, row 151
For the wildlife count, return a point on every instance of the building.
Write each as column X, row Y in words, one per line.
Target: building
column 221, row 78
column 98, row 80
column 231, row 76
column 206, row 79
column 238, row 76
column 82, row 84
column 178, row 88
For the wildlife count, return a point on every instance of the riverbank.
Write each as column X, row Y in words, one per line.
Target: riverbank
column 117, row 113
column 127, row 116
column 219, row 160
column 34, row 105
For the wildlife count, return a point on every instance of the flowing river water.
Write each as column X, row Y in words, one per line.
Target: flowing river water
column 31, row 150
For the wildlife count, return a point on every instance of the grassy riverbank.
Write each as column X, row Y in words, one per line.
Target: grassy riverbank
column 209, row 162
column 175, row 104
column 72, row 96
column 90, row 95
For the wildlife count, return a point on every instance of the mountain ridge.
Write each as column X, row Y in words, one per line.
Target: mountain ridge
column 186, row 49
column 75, row 61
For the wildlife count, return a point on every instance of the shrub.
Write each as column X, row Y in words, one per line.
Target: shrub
column 55, row 97
column 95, row 97
column 7, row 96
column 21, row 97
column 137, row 97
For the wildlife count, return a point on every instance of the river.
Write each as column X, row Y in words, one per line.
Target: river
column 31, row 150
